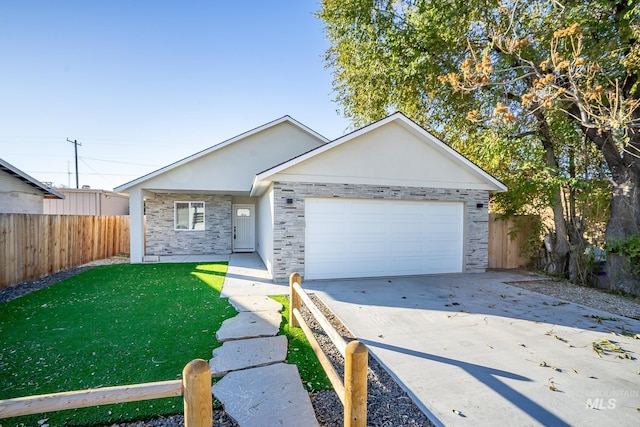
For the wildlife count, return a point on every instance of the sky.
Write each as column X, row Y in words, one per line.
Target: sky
column 141, row 84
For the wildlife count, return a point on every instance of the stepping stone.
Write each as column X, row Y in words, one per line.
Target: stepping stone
column 251, row 353
column 250, row 325
column 267, row 396
column 255, row 303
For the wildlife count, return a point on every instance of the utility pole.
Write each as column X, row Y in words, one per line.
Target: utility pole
column 76, row 143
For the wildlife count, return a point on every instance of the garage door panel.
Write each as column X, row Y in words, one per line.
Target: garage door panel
column 366, row 268
column 382, row 237
column 325, row 224
column 320, row 208
column 408, row 227
column 367, row 227
column 335, row 269
column 447, row 248
column 326, row 248
column 365, row 207
column 405, row 247
column 404, row 268
column 369, row 248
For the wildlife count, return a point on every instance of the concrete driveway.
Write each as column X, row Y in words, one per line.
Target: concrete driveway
column 472, row 350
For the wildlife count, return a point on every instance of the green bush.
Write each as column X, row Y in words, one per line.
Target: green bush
column 629, row 248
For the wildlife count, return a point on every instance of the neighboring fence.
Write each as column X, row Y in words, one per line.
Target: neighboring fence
column 353, row 391
column 87, row 201
column 32, row 246
column 195, row 386
column 510, row 238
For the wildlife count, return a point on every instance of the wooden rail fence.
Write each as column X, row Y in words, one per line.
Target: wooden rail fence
column 195, row 387
column 33, row 246
column 353, row 391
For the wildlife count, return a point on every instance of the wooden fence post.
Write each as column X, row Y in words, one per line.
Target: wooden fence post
column 196, row 384
column 355, row 385
column 294, row 299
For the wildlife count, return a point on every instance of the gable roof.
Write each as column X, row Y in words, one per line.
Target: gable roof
column 262, row 179
column 242, row 136
column 18, row 174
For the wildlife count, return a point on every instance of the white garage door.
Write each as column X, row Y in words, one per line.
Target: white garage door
column 367, row 238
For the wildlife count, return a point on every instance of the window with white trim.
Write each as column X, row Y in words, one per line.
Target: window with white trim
column 188, row 216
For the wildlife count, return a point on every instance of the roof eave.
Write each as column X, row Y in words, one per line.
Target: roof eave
column 22, row 176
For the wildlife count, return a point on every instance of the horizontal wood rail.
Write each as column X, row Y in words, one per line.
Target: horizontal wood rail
column 195, row 386
column 353, row 391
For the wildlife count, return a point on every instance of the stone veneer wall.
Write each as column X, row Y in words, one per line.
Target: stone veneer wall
column 162, row 239
column 289, row 221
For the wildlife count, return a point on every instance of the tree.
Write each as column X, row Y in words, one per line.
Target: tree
column 556, row 80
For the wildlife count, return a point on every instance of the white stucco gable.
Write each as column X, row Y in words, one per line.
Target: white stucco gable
column 393, row 151
column 230, row 166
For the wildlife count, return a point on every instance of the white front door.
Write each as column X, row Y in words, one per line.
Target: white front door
column 244, row 228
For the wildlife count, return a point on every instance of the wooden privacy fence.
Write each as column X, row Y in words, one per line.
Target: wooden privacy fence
column 509, row 239
column 195, row 386
column 32, row 246
column 353, row 391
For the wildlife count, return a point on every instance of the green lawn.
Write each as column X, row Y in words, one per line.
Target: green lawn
column 112, row 325
column 115, row 325
column 301, row 353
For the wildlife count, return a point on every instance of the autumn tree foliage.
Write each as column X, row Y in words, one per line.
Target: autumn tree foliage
column 542, row 93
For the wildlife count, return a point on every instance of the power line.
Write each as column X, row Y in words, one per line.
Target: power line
column 96, row 172
column 118, row 162
column 84, row 173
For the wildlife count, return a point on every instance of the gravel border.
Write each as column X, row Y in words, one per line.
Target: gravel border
column 24, row 288
column 622, row 305
column 387, row 404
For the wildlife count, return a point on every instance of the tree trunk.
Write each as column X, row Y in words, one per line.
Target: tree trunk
column 558, row 244
column 559, row 250
column 578, row 268
column 625, row 205
column 624, row 222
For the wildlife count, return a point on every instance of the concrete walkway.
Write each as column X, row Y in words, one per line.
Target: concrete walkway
column 258, row 387
column 247, row 275
column 472, row 350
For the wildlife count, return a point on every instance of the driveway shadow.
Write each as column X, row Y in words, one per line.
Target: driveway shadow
column 486, row 375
